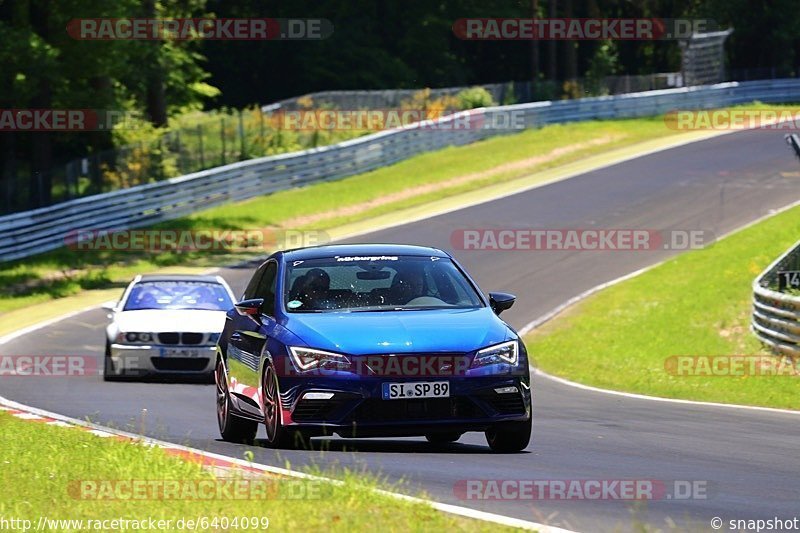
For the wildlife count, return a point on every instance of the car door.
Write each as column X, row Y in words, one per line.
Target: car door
column 249, row 334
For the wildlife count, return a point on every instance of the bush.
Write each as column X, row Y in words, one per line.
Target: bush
column 475, row 97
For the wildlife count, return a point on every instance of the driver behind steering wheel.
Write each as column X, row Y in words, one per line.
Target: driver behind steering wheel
column 406, row 286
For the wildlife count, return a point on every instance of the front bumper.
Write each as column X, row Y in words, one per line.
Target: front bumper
column 357, row 408
column 135, row 360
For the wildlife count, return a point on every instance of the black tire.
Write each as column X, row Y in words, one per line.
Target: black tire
column 277, row 435
column 231, row 427
column 510, row 437
column 443, row 438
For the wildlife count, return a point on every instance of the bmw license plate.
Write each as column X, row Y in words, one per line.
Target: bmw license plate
column 180, row 352
column 428, row 389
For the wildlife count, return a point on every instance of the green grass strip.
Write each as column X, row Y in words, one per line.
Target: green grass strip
column 697, row 304
column 68, row 474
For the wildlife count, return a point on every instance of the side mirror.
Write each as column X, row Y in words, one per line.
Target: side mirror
column 250, row 307
column 111, row 307
column 500, row 301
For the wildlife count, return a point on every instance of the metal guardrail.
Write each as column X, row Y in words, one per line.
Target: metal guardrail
column 32, row 232
column 776, row 315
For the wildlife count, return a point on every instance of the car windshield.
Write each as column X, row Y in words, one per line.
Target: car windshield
column 377, row 283
column 178, row 295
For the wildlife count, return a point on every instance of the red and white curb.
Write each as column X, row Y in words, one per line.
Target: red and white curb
column 222, row 463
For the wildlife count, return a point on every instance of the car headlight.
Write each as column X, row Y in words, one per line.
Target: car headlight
column 308, row 358
column 213, row 337
column 134, row 338
column 505, row 352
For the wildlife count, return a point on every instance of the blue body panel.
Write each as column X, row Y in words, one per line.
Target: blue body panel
column 357, row 407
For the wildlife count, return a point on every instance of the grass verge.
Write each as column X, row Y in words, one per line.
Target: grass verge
column 414, row 182
column 47, row 472
column 697, row 304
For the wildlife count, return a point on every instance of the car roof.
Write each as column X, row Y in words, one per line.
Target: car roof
column 178, row 277
column 331, row 250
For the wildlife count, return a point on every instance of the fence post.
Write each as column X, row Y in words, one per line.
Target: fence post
column 222, row 135
column 160, row 174
column 200, row 142
column 180, row 151
column 97, row 177
column 68, row 179
column 142, row 167
column 242, row 155
column 9, row 178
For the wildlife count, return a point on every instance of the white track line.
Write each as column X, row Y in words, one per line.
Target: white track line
column 635, row 396
column 96, row 429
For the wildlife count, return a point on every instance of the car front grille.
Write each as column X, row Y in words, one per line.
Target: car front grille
column 377, row 410
column 180, row 364
column 174, row 338
column 505, row 404
column 191, row 338
column 169, row 338
column 315, row 410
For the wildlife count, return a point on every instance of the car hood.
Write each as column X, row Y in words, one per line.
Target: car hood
column 157, row 321
column 362, row 333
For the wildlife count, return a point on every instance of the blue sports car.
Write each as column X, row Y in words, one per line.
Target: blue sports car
column 371, row 341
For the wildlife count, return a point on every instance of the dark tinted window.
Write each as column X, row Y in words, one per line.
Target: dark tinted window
column 250, row 291
column 266, row 288
column 377, row 283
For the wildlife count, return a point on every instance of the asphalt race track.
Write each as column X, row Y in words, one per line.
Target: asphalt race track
column 747, row 458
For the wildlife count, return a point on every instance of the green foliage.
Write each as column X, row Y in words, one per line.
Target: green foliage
column 604, row 62
column 42, row 66
column 475, row 97
column 509, row 98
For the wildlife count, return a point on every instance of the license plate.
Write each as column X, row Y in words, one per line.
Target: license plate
column 180, row 352
column 429, row 389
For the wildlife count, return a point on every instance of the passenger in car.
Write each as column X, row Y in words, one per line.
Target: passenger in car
column 406, row 286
